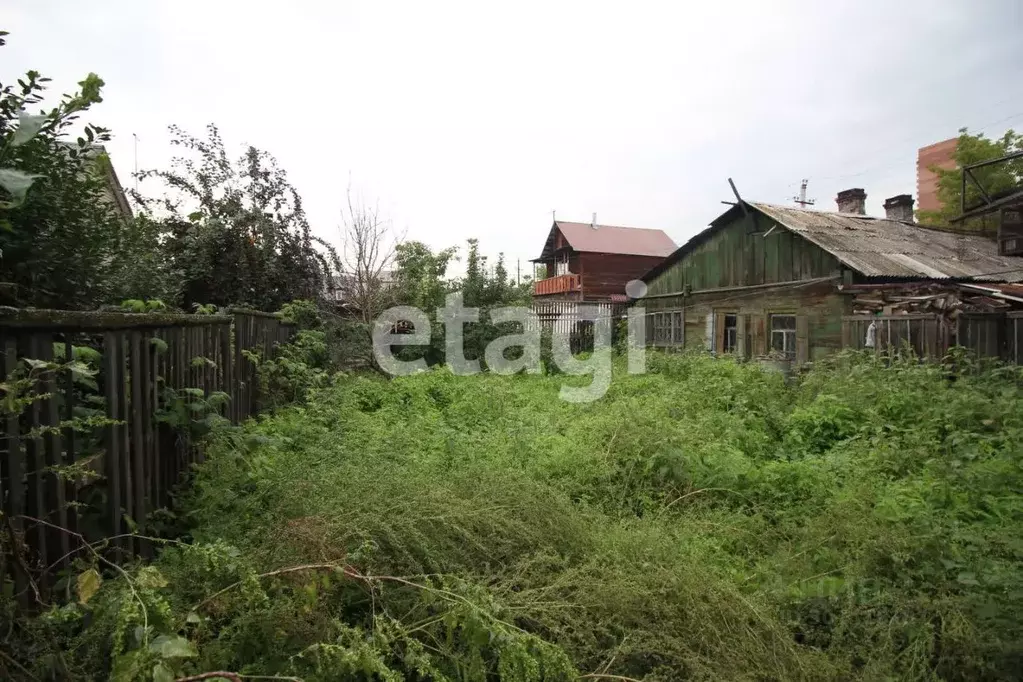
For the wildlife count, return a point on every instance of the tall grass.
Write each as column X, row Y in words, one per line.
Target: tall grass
column 702, row 521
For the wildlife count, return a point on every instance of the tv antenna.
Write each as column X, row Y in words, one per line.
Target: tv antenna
column 801, row 199
column 136, row 173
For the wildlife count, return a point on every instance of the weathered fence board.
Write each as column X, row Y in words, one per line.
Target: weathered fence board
column 566, row 319
column 931, row 335
column 1014, row 333
column 146, row 361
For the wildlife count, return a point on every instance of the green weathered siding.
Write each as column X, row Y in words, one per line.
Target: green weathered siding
column 732, row 257
column 731, row 273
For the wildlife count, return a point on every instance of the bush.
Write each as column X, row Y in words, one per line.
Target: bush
column 705, row 521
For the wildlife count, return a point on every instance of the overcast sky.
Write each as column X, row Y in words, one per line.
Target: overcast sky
column 470, row 120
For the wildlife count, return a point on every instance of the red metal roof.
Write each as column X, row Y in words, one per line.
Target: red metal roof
column 632, row 241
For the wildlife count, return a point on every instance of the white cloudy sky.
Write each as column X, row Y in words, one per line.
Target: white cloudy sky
column 477, row 119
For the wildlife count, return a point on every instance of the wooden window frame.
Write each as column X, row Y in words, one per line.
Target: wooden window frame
column 667, row 328
column 789, row 348
column 721, row 332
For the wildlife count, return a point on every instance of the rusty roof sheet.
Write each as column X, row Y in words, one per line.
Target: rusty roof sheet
column 632, row 241
column 877, row 247
column 1013, row 292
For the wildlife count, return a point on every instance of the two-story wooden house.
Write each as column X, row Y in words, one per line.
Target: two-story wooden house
column 591, row 262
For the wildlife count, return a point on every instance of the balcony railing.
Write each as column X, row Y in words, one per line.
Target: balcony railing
column 562, row 284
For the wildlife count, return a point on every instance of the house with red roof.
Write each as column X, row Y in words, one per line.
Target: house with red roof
column 591, row 262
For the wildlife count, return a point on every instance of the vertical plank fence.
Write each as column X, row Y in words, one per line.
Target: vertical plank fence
column 926, row 334
column 565, row 319
column 1014, row 336
column 148, row 364
column 993, row 335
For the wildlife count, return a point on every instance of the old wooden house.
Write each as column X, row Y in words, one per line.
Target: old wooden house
column 591, row 262
column 777, row 280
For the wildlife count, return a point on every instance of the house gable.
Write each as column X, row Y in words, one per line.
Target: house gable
column 555, row 242
column 731, row 254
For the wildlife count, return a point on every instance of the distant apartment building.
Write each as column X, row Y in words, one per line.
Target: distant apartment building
column 938, row 154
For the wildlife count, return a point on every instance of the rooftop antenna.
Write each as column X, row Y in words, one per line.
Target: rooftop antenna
column 801, row 199
column 136, row 173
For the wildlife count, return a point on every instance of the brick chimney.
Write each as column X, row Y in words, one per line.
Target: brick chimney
column 899, row 208
column 852, row 201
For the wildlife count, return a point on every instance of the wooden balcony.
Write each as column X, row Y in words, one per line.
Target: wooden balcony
column 562, row 284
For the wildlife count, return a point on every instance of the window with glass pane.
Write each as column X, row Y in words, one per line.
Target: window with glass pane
column 661, row 329
column 783, row 335
column 676, row 324
column 731, row 329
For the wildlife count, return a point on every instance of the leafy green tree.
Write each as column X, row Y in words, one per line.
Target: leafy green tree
column 485, row 287
column 60, row 230
column 996, row 179
column 236, row 232
column 420, row 275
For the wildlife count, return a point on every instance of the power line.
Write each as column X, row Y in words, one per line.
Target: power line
column 888, row 166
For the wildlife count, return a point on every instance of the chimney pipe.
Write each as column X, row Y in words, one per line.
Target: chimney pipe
column 593, row 223
column 852, row 201
column 899, row 208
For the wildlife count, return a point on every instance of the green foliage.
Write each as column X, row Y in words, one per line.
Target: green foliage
column 995, row 179
column 60, row 232
column 235, row 232
column 703, row 521
column 137, row 306
column 204, row 309
column 484, row 287
column 143, row 268
column 296, row 368
column 304, row 314
column 420, row 282
column 193, row 412
column 421, row 278
column 421, row 275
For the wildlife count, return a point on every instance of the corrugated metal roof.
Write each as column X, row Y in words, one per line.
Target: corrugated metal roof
column 631, row 241
column 1011, row 291
column 877, row 247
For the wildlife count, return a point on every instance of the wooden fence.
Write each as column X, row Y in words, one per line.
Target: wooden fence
column 995, row 335
column 1014, row 334
column 565, row 318
column 148, row 364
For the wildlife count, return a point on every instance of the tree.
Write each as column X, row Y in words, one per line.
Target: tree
column 996, row 179
column 420, row 276
column 235, row 232
column 60, row 234
column 485, row 287
column 368, row 250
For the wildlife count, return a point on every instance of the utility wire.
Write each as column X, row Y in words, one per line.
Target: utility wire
column 889, row 166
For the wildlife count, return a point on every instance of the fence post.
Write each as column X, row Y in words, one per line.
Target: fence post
column 14, row 471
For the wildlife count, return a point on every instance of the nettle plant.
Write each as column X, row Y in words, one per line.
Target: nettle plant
column 193, row 412
column 133, row 305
